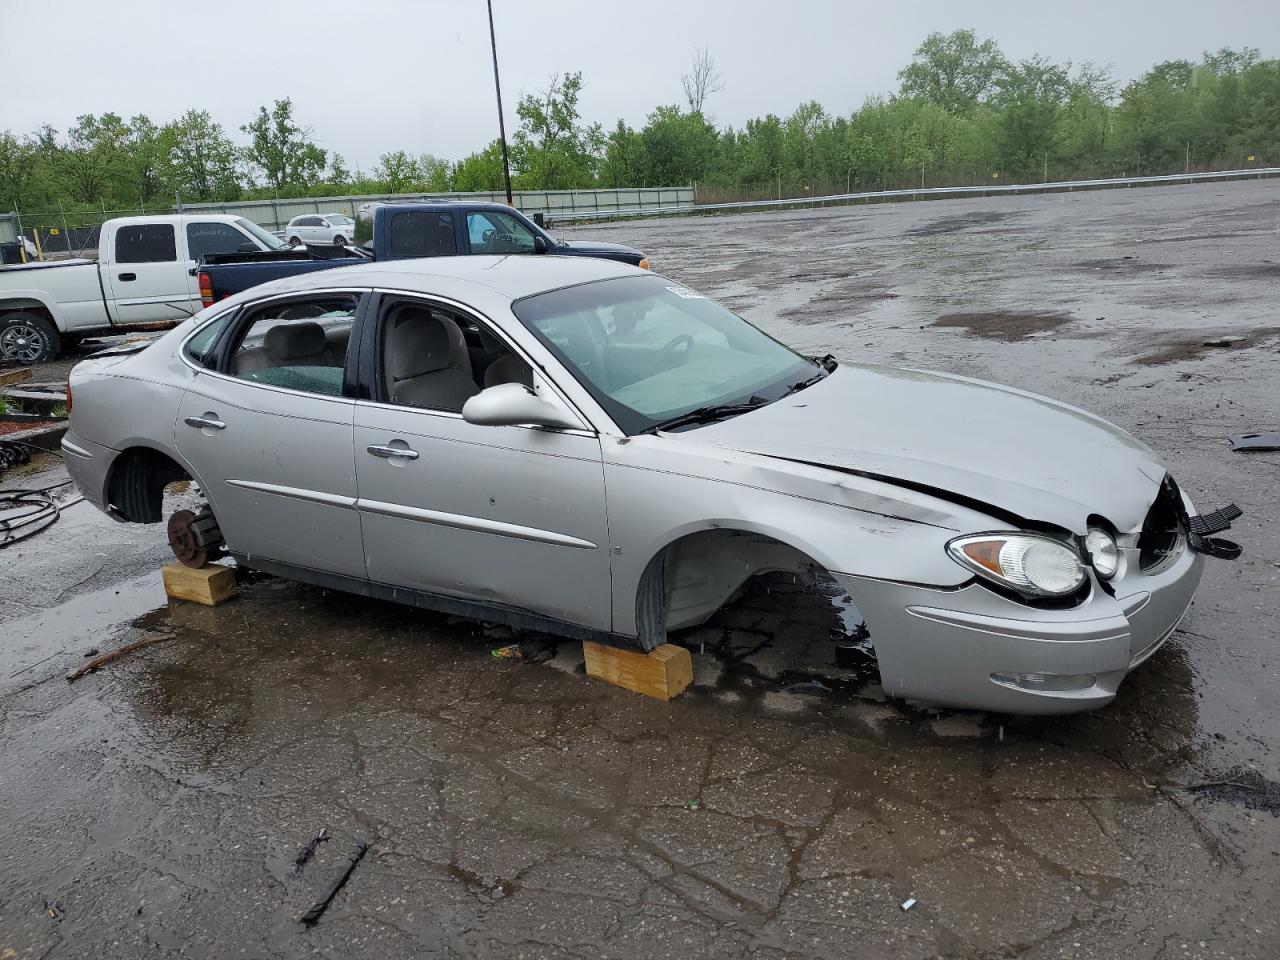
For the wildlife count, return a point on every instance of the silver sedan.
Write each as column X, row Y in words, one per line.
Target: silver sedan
column 585, row 448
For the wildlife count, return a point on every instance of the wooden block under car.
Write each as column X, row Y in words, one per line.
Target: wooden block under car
column 663, row 672
column 210, row 584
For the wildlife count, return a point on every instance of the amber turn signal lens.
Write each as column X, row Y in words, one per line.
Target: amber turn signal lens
column 644, row 263
column 985, row 553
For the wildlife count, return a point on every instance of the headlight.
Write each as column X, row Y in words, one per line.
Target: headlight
column 1103, row 553
column 1033, row 565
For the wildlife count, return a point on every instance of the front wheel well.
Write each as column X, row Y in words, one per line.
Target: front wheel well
column 693, row 577
column 135, row 485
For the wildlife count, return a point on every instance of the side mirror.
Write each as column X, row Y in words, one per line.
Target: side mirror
column 539, row 244
column 514, row 404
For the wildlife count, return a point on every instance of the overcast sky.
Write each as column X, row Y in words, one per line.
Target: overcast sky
column 376, row 75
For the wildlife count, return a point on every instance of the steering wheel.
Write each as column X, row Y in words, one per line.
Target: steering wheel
column 668, row 351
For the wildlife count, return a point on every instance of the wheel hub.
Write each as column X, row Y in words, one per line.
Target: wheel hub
column 194, row 537
column 20, row 342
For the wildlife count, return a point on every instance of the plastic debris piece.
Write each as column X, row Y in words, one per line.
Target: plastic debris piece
column 1256, row 442
column 809, row 687
column 313, row 915
column 908, row 903
column 509, row 652
column 309, row 851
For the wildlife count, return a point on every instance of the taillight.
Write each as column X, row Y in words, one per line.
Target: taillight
column 68, row 399
column 206, row 290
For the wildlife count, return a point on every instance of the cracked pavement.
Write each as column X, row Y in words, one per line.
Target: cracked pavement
column 155, row 808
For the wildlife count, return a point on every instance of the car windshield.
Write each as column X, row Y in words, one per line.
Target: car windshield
column 650, row 350
column 269, row 240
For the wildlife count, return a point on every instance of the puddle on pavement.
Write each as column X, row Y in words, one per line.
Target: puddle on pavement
column 1006, row 325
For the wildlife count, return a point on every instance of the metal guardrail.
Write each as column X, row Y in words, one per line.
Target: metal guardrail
column 916, row 192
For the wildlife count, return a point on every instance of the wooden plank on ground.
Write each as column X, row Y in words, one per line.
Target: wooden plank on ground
column 210, row 584
column 663, row 673
column 10, row 377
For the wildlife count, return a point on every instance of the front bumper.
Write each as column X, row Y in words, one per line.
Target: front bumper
column 971, row 647
column 89, row 465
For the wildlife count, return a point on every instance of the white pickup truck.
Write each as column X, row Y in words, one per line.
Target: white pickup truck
column 145, row 273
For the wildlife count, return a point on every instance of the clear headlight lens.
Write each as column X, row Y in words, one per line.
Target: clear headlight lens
column 1033, row 565
column 1103, row 552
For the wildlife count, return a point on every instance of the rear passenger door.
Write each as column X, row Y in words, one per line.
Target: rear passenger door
column 266, row 426
column 146, row 280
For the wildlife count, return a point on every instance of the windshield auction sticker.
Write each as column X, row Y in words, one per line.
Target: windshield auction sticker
column 686, row 293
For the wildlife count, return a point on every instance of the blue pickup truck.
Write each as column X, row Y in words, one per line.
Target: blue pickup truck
column 400, row 231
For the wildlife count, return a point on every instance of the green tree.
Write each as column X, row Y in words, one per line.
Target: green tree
column 954, row 71
column 480, row 171
column 1030, row 100
column 202, row 162
column 281, row 150
column 553, row 149
column 621, row 166
column 398, row 172
column 91, row 162
column 675, row 147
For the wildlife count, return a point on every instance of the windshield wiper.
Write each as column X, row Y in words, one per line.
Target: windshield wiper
column 797, row 387
column 716, row 411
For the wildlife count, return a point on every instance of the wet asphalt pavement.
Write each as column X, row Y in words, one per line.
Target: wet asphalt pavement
column 781, row 807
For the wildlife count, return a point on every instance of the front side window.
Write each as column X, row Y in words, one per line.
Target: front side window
column 492, row 232
column 649, row 349
column 146, row 243
column 417, row 233
column 434, row 358
column 206, row 238
column 299, row 345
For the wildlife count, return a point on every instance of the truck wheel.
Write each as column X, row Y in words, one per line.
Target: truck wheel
column 27, row 338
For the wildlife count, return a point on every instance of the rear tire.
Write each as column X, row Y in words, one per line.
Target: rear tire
column 27, row 338
column 339, row 240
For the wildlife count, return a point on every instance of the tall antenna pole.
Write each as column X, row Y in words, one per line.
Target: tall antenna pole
column 502, row 125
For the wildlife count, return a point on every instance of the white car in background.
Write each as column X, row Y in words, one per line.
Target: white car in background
column 320, row 228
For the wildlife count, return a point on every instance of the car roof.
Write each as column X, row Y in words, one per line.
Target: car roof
column 512, row 277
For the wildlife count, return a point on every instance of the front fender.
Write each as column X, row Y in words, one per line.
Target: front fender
column 660, row 490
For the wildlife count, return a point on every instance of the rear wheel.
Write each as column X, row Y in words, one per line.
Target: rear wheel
column 339, row 240
column 27, row 338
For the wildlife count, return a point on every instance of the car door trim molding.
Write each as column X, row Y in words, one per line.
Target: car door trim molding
column 474, row 524
column 295, row 493
column 402, row 512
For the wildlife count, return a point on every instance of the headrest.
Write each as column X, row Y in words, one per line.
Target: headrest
column 292, row 341
column 419, row 343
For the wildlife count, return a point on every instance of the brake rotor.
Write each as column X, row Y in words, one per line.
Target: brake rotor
column 182, row 540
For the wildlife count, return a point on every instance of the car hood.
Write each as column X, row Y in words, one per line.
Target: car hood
column 592, row 248
column 1020, row 455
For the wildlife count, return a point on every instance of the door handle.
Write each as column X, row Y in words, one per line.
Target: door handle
column 126, row 277
column 206, row 423
column 387, row 452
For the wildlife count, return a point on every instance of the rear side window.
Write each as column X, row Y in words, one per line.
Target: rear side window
column 298, row 345
column 203, row 238
column 423, row 234
column 146, row 243
column 200, row 348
